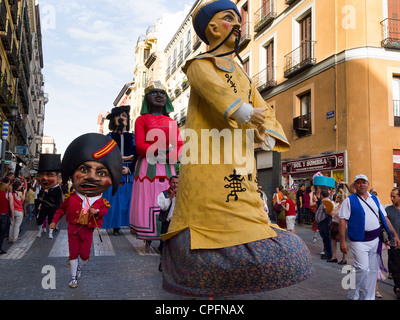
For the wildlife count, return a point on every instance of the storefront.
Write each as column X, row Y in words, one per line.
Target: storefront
column 396, row 168
column 296, row 172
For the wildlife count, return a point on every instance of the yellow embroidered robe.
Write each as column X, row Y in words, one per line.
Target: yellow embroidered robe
column 219, row 202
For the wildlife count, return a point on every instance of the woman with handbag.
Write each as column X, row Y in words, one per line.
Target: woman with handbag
column 6, row 209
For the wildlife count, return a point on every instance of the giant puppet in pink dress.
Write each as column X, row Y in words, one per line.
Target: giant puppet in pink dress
column 158, row 144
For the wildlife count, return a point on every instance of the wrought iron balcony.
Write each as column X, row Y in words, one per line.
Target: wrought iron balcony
column 264, row 15
column 300, row 59
column 245, row 34
column 6, row 36
column 391, row 33
column 265, row 79
column 196, row 42
column 150, row 60
column 188, row 48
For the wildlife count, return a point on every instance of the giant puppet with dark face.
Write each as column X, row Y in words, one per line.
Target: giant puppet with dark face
column 119, row 125
column 93, row 162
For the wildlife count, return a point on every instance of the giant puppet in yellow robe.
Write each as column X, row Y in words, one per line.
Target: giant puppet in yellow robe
column 220, row 240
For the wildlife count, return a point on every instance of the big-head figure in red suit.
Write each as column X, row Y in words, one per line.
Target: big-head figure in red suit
column 94, row 163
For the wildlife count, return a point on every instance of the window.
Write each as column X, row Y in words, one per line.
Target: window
column 305, row 104
column 305, row 38
column 246, row 66
column 302, row 123
column 180, row 56
column 173, row 66
column 245, row 26
column 167, row 73
column 396, row 101
column 303, row 54
column 146, row 54
column 269, row 50
column 188, row 43
column 394, row 16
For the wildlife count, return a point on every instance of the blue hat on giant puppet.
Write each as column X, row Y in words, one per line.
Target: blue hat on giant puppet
column 203, row 15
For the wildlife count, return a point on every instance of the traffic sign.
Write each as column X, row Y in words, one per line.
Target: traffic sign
column 5, row 130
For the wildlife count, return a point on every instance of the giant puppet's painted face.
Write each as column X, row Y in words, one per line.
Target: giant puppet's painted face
column 156, row 100
column 91, row 178
column 48, row 180
column 121, row 118
column 223, row 22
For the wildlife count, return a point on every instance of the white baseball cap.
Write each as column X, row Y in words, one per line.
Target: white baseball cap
column 361, row 176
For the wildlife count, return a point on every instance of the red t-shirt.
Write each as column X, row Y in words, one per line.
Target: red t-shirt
column 292, row 208
column 4, row 208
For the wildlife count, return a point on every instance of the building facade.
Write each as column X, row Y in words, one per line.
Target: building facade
column 22, row 96
column 331, row 71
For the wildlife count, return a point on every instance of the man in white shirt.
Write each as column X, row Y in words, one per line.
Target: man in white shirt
column 363, row 214
column 166, row 202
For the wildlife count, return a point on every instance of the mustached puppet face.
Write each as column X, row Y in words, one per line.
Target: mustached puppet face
column 91, row 178
column 47, row 180
column 222, row 24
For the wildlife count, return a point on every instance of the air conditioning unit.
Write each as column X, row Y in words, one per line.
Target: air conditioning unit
column 302, row 123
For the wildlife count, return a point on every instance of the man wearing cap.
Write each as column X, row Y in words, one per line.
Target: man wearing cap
column 363, row 215
column 50, row 195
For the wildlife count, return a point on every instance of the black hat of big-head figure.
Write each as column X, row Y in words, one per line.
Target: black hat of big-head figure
column 117, row 111
column 49, row 162
column 93, row 147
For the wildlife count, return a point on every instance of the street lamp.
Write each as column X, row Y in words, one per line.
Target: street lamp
column 14, row 110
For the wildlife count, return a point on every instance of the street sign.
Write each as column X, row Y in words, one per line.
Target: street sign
column 4, row 134
column 330, row 114
column 21, row 150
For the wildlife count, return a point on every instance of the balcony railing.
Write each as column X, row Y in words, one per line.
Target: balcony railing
column 265, row 79
column 188, row 48
column 264, row 15
column 6, row 36
column 245, row 34
column 150, row 60
column 396, row 112
column 300, row 59
column 180, row 58
column 391, row 33
column 196, row 42
column 173, row 66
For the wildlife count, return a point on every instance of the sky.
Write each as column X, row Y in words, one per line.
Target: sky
column 88, row 53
